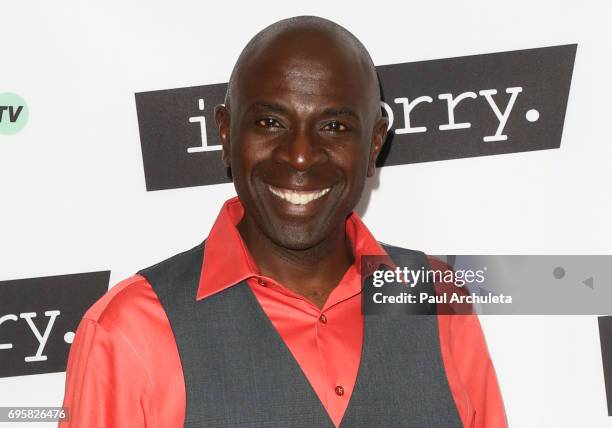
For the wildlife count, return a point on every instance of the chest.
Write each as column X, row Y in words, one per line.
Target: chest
column 239, row 372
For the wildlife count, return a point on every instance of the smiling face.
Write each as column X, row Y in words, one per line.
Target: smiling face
column 301, row 131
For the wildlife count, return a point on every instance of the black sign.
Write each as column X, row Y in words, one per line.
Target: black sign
column 39, row 317
column 451, row 108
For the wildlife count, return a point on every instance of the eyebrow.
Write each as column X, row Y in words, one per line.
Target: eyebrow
column 265, row 105
column 341, row 111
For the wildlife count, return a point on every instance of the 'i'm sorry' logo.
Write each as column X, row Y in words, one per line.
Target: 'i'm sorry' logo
column 13, row 113
column 451, row 108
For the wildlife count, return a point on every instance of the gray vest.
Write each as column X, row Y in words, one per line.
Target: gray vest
column 239, row 372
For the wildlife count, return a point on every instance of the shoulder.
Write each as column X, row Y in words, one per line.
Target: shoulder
column 134, row 299
column 404, row 256
column 131, row 312
column 425, row 259
column 131, row 318
column 126, row 295
column 392, row 249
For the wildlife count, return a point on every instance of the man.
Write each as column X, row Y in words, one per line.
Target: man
column 261, row 325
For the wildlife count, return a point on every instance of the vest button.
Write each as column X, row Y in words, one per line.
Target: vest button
column 339, row 391
column 323, row 319
column 261, row 281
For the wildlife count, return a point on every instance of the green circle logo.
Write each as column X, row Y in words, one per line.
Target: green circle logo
column 14, row 113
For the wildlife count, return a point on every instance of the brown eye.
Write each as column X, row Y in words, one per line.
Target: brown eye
column 335, row 126
column 268, row 122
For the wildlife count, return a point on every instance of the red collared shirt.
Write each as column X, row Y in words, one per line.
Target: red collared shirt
column 124, row 369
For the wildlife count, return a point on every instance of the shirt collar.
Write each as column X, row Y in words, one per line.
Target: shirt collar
column 227, row 260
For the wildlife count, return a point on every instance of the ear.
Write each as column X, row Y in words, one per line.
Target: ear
column 222, row 117
column 379, row 136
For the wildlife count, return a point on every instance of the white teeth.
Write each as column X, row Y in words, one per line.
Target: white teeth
column 298, row 197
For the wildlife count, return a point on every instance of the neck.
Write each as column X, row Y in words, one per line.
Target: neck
column 313, row 272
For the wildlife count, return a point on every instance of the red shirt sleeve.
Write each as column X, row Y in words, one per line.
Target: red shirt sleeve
column 106, row 383
column 123, row 367
column 470, row 372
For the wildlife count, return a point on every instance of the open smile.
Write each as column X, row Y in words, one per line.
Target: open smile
column 298, row 197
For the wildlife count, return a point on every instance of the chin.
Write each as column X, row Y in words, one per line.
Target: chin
column 297, row 238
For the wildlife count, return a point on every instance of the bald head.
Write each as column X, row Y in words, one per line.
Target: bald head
column 312, row 44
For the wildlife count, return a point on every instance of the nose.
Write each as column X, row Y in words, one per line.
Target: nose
column 301, row 150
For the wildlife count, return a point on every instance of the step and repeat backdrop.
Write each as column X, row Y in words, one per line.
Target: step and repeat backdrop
column 499, row 144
